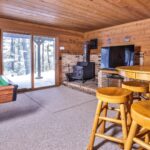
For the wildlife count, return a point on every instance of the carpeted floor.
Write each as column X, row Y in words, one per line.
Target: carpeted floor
column 52, row 119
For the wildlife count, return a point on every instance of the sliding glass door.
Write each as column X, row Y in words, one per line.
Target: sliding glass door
column 19, row 65
column 44, row 61
column 17, row 58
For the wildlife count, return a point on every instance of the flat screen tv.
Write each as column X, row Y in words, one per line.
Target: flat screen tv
column 114, row 56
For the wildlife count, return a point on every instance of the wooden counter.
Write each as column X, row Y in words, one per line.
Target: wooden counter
column 135, row 72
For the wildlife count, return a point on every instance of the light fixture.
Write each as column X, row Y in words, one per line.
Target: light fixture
column 127, row 38
column 62, row 48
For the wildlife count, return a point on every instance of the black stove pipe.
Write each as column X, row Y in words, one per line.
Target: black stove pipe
column 86, row 51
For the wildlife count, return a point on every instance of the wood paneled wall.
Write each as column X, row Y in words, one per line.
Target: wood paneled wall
column 70, row 40
column 137, row 33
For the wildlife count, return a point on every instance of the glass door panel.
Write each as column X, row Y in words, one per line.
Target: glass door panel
column 17, row 59
column 44, row 61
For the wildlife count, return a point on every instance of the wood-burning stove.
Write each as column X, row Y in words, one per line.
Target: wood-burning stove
column 83, row 70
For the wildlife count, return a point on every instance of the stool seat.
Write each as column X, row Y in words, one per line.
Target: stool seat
column 140, row 112
column 136, row 86
column 113, row 94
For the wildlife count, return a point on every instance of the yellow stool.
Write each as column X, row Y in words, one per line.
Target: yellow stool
column 105, row 96
column 140, row 112
column 136, row 86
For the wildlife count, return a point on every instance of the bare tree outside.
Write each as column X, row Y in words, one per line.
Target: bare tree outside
column 17, row 59
column 44, row 49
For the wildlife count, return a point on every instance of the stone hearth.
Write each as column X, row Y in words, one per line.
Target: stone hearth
column 89, row 86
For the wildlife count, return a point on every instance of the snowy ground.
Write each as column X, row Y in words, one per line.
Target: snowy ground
column 24, row 81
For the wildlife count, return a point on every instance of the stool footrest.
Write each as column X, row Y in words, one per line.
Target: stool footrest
column 143, row 144
column 110, row 138
column 142, row 132
column 111, row 120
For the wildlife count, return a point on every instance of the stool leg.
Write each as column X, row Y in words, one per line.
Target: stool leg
column 94, row 128
column 118, row 115
column 129, row 103
column 146, row 141
column 140, row 96
column 124, row 121
column 104, row 114
column 147, row 138
column 131, row 135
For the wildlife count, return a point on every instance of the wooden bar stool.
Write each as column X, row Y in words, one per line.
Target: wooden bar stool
column 105, row 96
column 140, row 112
column 136, row 87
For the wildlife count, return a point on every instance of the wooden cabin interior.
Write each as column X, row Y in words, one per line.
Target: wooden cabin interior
column 74, row 74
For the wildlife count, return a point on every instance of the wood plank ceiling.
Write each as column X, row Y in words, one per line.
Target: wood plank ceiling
column 78, row 15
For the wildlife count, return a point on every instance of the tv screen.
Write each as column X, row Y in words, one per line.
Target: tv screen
column 112, row 57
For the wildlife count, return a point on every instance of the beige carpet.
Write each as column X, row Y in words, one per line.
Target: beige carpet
column 52, row 119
